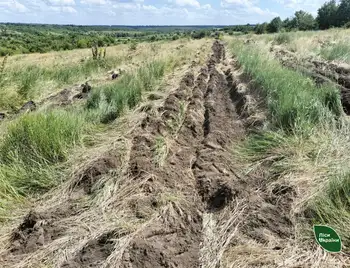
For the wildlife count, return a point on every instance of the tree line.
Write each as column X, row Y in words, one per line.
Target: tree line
column 330, row 14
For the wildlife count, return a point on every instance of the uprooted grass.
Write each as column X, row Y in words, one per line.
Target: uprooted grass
column 306, row 145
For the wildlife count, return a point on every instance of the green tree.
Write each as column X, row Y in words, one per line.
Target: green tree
column 82, row 43
column 303, row 21
column 275, row 25
column 343, row 14
column 260, row 28
column 327, row 15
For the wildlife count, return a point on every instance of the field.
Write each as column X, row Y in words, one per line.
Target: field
column 210, row 152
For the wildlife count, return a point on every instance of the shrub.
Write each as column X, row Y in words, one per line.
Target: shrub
column 282, row 38
column 133, row 46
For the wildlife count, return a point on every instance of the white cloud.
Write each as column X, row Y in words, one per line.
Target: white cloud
column 307, row 5
column 94, row 2
column 149, row 8
column 63, row 9
column 183, row 3
column 14, row 6
column 231, row 3
column 62, row 2
column 127, row 6
column 206, row 6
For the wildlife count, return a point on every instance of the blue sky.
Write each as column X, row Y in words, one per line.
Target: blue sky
column 151, row 12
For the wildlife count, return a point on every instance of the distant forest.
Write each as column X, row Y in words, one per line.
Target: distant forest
column 18, row 38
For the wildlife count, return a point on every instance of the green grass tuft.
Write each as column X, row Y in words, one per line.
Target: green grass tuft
column 110, row 101
column 339, row 51
column 332, row 206
column 30, row 151
column 40, row 137
column 283, row 38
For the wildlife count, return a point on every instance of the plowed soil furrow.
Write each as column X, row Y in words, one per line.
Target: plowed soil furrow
column 320, row 71
column 202, row 120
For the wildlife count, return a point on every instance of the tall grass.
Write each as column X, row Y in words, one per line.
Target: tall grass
column 308, row 142
column 27, row 80
column 294, row 101
column 31, row 147
column 339, row 51
column 108, row 102
column 332, row 205
column 283, row 38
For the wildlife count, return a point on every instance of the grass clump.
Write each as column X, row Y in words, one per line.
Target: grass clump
column 339, row 51
column 31, row 149
column 160, row 150
column 30, row 78
column 108, row 102
column 332, row 206
column 283, row 38
column 41, row 137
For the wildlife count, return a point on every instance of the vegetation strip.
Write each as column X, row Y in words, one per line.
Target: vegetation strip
column 305, row 120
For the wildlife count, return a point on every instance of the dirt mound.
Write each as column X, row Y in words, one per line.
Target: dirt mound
column 88, row 177
column 94, row 253
column 29, row 106
column 35, row 231
column 67, row 96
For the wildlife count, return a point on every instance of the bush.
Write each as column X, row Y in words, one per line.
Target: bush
column 133, row 46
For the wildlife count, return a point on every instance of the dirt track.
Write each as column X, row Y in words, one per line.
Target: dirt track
column 188, row 209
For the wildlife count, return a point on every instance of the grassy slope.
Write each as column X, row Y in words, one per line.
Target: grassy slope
column 35, row 146
column 34, row 76
column 307, row 141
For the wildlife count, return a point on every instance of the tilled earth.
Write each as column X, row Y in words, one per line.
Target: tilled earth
column 177, row 200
